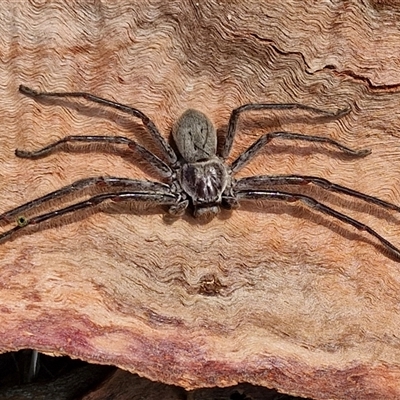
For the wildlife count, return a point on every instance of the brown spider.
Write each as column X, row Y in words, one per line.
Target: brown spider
column 198, row 175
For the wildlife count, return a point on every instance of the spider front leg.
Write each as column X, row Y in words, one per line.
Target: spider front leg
column 316, row 205
column 232, row 126
column 156, row 198
column 99, row 181
column 259, row 182
column 147, row 122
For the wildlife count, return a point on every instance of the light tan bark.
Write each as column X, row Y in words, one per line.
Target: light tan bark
column 303, row 304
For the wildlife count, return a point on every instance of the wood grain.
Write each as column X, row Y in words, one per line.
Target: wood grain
column 298, row 302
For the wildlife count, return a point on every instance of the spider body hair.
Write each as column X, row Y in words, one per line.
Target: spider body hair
column 198, row 174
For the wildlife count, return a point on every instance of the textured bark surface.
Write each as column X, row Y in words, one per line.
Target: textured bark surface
column 294, row 301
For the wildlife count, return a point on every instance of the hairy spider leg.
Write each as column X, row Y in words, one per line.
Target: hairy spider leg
column 232, row 125
column 251, row 151
column 257, row 182
column 99, row 181
column 316, row 205
column 162, row 168
column 159, row 198
column 169, row 153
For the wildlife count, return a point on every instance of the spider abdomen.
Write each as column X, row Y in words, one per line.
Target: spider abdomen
column 204, row 182
column 195, row 136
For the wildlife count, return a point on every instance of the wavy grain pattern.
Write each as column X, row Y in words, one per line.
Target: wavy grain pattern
column 271, row 294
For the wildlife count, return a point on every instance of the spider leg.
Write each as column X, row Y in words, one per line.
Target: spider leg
column 257, row 182
column 99, row 181
column 316, row 205
column 158, row 198
column 151, row 158
column 269, row 106
column 167, row 149
column 251, row 151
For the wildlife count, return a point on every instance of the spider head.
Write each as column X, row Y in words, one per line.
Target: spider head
column 195, row 136
column 205, row 214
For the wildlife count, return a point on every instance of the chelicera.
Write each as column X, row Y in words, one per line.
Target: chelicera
column 197, row 175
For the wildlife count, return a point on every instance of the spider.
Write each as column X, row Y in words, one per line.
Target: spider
column 197, row 175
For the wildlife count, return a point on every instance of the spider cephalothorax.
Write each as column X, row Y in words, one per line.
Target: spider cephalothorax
column 197, row 174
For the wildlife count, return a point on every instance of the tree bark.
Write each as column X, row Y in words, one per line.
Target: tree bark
column 270, row 294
